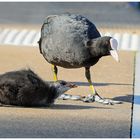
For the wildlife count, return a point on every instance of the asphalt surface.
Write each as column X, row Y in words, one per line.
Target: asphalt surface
column 71, row 119
column 101, row 13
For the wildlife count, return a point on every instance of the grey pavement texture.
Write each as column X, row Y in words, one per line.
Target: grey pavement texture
column 71, row 119
column 101, row 13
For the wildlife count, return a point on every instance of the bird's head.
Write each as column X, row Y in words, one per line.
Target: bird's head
column 103, row 46
column 63, row 86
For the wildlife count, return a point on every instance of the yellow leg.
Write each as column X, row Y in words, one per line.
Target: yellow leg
column 96, row 96
column 87, row 73
column 54, row 69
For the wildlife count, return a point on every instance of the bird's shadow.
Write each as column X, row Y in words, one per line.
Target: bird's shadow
column 128, row 99
column 125, row 98
column 60, row 107
column 98, row 84
column 75, row 107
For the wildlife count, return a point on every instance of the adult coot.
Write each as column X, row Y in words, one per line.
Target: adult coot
column 72, row 41
column 25, row 88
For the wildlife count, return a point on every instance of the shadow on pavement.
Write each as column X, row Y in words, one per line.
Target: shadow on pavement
column 59, row 106
column 100, row 84
column 127, row 98
column 73, row 107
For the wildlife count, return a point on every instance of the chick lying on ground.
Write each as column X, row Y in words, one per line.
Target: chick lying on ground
column 25, row 88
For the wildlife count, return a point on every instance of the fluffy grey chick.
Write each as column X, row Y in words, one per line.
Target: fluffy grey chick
column 25, row 88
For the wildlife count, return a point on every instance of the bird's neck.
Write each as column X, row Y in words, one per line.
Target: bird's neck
column 52, row 93
column 98, row 52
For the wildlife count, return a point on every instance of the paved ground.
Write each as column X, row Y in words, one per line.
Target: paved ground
column 112, row 80
column 71, row 118
column 101, row 13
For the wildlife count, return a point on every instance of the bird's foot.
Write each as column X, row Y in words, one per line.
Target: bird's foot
column 90, row 98
column 97, row 98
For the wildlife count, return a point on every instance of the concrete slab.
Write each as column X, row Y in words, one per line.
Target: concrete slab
column 71, row 119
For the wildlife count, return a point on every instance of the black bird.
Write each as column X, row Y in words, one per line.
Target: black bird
column 72, row 41
column 25, row 88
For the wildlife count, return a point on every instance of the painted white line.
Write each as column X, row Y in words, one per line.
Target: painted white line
column 135, row 43
column 10, row 36
column 125, row 43
column 28, row 37
column 118, row 37
column 3, row 34
column 20, row 37
column 136, row 105
column 36, row 39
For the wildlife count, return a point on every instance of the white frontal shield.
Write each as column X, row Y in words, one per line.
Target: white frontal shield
column 113, row 52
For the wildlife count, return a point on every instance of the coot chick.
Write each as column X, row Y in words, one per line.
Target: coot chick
column 72, row 41
column 25, row 88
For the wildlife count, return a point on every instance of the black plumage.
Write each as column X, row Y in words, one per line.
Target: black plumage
column 65, row 40
column 72, row 41
column 25, row 88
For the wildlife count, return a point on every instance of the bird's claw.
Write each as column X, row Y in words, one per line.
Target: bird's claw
column 71, row 97
column 96, row 98
column 90, row 98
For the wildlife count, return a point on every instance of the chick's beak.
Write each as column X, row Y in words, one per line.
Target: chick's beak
column 113, row 52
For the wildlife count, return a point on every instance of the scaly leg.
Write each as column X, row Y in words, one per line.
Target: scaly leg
column 55, row 71
column 87, row 73
column 95, row 96
column 63, row 96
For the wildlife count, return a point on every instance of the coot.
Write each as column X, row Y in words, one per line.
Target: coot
column 72, row 41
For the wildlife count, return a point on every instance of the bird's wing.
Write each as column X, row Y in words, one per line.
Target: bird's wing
column 92, row 31
column 43, row 30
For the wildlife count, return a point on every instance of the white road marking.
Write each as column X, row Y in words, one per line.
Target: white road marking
column 20, row 37
column 3, row 34
column 136, row 105
column 135, row 42
column 29, row 37
column 118, row 37
column 26, row 37
column 11, row 35
column 36, row 39
column 125, row 43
